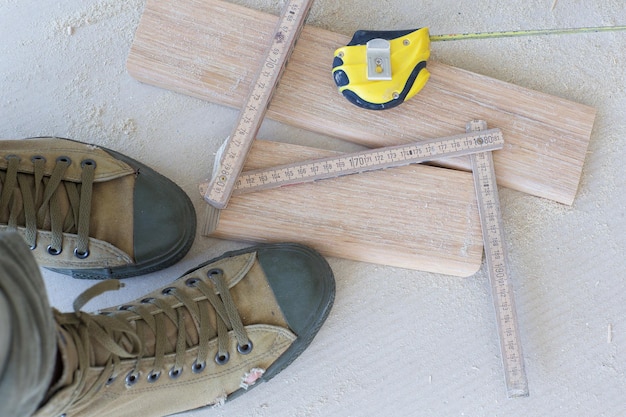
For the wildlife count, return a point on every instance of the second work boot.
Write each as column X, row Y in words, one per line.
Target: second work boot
column 91, row 212
column 204, row 339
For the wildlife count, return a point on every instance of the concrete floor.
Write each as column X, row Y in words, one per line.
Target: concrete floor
column 398, row 342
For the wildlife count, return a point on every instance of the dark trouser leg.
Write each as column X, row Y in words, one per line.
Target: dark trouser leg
column 28, row 344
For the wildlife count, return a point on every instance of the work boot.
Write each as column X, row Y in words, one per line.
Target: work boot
column 90, row 212
column 211, row 335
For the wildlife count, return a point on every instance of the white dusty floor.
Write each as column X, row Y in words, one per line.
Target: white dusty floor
column 397, row 342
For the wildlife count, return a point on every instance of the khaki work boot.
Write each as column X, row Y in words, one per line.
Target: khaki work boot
column 208, row 337
column 90, row 212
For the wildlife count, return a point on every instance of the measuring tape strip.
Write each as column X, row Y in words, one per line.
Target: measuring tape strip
column 233, row 154
column 497, row 269
column 369, row 160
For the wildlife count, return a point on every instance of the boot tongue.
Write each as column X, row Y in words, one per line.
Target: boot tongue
column 68, row 356
column 62, row 392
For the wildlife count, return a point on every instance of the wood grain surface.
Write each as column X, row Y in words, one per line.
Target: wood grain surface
column 210, row 49
column 416, row 217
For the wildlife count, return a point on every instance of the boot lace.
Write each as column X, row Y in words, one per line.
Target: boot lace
column 36, row 201
column 122, row 333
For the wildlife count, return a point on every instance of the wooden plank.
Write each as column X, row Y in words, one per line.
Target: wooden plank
column 417, row 217
column 210, row 49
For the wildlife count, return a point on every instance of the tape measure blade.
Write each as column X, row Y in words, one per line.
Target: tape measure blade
column 230, row 162
column 496, row 258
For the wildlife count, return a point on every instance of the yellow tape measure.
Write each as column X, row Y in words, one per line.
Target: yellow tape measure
column 379, row 70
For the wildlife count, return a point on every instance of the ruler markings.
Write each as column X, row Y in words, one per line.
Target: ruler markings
column 231, row 159
column 364, row 161
column 497, row 269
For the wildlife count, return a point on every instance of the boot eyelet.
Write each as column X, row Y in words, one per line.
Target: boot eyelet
column 147, row 300
column 110, row 380
column 191, row 282
column 132, row 378
column 167, row 291
column 36, row 158
column 65, row 159
column 87, row 163
column 124, row 307
column 214, row 272
column 12, row 156
column 153, row 377
column 81, row 255
column 175, row 373
column 222, row 359
column 54, row 252
column 33, row 247
column 245, row 349
column 196, row 368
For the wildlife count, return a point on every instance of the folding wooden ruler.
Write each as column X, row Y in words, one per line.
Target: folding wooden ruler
column 477, row 142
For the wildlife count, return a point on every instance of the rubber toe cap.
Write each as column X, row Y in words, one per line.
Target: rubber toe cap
column 304, row 287
column 164, row 221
